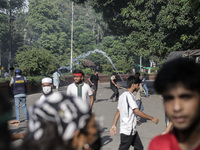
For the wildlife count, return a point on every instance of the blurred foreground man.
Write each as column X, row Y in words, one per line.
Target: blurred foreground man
column 179, row 83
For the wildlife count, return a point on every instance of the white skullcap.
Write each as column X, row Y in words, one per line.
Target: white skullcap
column 46, row 80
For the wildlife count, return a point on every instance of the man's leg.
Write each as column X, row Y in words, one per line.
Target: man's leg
column 17, row 107
column 136, row 143
column 24, row 108
column 95, row 95
column 146, row 90
column 113, row 93
column 138, row 102
column 125, row 142
column 94, row 90
column 117, row 94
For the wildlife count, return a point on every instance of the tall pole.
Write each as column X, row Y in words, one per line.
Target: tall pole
column 71, row 63
column 10, row 44
column 140, row 63
column 0, row 58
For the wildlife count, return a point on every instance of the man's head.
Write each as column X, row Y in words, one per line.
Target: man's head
column 133, row 82
column 47, row 85
column 137, row 74
column 78, row 76
column 179, row 83
column 114, row 74
column 96, row 72
column 18, row 72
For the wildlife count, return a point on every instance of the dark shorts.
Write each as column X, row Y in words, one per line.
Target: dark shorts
column 128, row 140
column 94, row 87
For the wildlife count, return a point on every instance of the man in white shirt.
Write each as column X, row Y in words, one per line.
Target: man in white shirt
column 80, row 88
column 127, row 110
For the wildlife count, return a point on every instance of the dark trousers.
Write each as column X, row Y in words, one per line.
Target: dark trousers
column 128, row 140
column 116, row 93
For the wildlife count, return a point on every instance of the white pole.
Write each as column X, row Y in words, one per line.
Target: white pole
column 71, row 63
column 140, row 63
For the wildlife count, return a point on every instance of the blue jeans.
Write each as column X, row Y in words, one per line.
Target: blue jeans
column 140, row 107
column 17, row 107
column 146, row 89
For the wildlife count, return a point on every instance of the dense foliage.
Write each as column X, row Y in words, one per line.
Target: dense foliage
column 40, row 39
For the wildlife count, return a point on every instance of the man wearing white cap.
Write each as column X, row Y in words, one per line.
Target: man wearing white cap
column 47, row 86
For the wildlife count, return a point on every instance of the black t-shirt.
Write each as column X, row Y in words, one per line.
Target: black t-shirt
column 94, row 79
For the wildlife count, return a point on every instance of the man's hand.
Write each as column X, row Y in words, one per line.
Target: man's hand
column 155, row 120
column 113, row 130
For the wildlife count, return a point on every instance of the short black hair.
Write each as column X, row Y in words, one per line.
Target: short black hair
column 132, row 80
column 137, row 74
column 114, row 73
column 79, row 71
column 181, row 70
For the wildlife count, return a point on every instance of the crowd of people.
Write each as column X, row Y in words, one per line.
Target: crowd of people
column 60, row 121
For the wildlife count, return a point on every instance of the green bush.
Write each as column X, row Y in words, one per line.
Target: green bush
column 34, row 79
column 5, row 79
column 36, row 61
column 87, row 71
column 154, row 69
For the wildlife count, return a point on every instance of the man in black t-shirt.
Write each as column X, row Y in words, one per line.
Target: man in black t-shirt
column 94, row 80
column 114, row 87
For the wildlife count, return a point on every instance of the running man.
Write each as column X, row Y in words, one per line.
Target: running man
column 127, row 110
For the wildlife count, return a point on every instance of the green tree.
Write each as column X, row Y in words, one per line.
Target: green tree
column 151, row 27
column 36, row 61
column 46, row 28
column 9, row 41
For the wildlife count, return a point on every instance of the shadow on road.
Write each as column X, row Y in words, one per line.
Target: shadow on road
column 106, row 140
column 99, row 100
column 18, row 130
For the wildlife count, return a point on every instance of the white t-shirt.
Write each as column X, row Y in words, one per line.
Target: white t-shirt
column 112, row 77
column 126, row 105
column 72, row 90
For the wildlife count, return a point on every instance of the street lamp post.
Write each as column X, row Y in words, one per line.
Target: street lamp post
column 71, row 62
column 10, row 36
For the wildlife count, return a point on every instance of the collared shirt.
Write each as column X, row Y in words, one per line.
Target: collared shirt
column 82, row 91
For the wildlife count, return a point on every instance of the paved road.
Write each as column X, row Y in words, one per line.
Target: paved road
column 105, row 110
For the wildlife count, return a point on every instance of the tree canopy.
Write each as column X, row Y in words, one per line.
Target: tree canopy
column 124, row 30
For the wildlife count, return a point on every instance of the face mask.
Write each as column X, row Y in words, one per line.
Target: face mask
column 46, row 90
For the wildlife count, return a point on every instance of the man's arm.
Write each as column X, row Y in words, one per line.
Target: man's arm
column 10, row 84
column 99, row 82
column 143, row 115
column 114, row 83
column 90, row 81
column 91, row 101
column 114, row 128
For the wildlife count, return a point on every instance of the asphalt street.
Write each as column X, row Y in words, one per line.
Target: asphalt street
column 104, row 111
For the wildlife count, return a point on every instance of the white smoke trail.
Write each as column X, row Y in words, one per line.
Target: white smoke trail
column 102, row 52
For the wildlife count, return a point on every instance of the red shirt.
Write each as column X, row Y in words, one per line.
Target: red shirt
column 166, row 142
